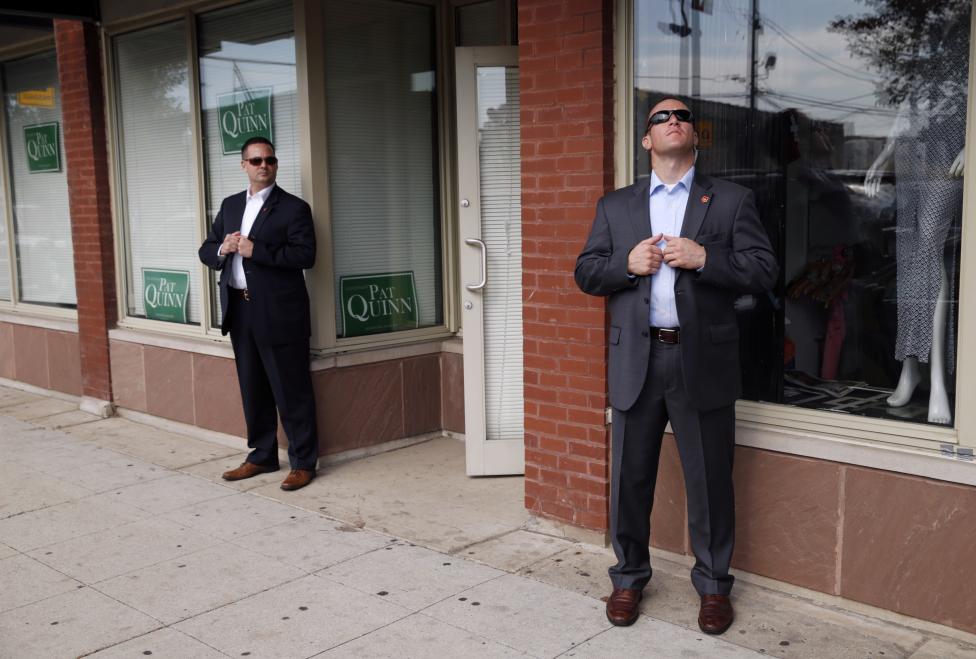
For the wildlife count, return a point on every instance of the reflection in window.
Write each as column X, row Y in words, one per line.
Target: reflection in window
column 39, row 183
column 383, row 165
column 847, row 119
column 156, row 148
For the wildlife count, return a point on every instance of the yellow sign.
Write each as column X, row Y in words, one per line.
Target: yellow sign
column 38, row 98
column 704, row 128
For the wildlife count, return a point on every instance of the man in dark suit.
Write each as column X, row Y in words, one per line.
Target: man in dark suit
column 261, row 241
column 671, row 253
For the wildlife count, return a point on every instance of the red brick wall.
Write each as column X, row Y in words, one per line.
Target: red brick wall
column 83, row 118
column 566, row 73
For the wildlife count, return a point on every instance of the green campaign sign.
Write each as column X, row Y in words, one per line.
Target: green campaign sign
column 243, row 115
column 42, row 147
column 164, row 293
column 378, row 303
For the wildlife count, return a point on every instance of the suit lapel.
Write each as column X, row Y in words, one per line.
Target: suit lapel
column 640, row 211
column 699, row 199
column 265, row 211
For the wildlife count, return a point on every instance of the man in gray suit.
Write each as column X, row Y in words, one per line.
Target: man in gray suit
column 672, row 252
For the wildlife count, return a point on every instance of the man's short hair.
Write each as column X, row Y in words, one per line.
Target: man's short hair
column 255, row 140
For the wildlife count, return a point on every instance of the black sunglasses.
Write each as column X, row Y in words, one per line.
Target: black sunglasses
column 271, row 161
column 665, row 115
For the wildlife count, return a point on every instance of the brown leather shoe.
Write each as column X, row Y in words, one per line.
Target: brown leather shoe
column 715, row 615
column 247, row 470
column 297, row 479
column 623, row 606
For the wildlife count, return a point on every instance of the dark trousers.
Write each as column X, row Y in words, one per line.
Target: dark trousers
column 705, row 441
column 274, row 380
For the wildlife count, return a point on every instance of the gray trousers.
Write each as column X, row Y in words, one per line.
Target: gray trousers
column 706, row 441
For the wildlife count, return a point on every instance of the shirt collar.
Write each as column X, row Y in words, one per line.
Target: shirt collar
column 685, row 180
column 260, row 194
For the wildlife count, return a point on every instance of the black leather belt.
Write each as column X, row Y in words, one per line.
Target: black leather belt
column 666, row 334
column 239, row 293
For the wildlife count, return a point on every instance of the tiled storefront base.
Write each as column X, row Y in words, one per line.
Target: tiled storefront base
column 358, row 406
column 894, row 541
column 42, row 357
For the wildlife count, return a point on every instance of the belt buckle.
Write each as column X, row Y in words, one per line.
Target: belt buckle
column 668, row 335
column 247, row 295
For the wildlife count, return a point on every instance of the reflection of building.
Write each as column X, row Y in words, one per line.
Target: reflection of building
column 882, row 516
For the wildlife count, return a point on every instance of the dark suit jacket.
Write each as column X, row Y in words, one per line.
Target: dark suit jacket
column 722, row 217
column 284, row 245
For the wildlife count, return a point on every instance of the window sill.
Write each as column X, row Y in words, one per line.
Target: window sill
column 59, row 320
column 950, row 464
column 323, row 360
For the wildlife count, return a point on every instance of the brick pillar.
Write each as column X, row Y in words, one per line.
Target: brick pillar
column 566, row 74
column 83, row 116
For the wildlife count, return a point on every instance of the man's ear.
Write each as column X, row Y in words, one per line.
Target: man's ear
column 696, row 139
column 646, row 142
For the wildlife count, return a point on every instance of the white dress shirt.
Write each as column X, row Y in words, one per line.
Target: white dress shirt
column 668, row 203
column 255, row 202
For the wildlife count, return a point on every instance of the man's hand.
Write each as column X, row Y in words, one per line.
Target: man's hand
column 230, row 244
column 683, row 253
column 645, row 258
column 245, row 247
column 957, row 166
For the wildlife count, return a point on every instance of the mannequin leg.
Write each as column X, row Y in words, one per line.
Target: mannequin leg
column 907, row 382
column 939, row 411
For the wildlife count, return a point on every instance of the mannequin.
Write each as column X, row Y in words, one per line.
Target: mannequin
column 925, row 147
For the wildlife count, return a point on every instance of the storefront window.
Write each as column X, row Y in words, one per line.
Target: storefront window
column 247, row 89
column 477, row 24
column 847, row 120
column 381, row 98
column 4, row 247
column 159, row 198
column 39, row 185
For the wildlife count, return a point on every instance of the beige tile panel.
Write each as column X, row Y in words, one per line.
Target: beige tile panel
column 669, row 519
column 218, row 395
column 358, row 406
column 64, row 362
column 169, row 384
column 421, row 395
column 452, row 391
column 128, row 375
column 6, row 351
column 787, row 517
column 30, row 355
column 908, row 545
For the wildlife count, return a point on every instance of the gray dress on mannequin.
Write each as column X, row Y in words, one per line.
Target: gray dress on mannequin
column 929, row 200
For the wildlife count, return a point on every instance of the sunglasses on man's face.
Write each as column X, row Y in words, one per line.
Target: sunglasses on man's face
column 665, row 115
column 271, row 161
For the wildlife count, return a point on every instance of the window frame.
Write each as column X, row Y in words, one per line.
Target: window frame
column 312, row 121
column 819, row 433
column 15, row 305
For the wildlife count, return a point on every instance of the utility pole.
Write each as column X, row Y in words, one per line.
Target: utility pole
column 754, row 27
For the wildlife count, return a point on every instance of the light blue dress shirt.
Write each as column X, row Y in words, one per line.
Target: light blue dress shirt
column 668, row 203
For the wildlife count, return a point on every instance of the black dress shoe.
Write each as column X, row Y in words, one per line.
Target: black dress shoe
column 623, row 606
column 715, row 615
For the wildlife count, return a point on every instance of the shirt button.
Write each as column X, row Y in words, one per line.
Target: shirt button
column 645, row 333
column 646, row 301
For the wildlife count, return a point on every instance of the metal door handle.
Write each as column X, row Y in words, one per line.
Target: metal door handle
column 484, row 264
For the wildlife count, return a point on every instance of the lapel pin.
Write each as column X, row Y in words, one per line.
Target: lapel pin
column 705, row 198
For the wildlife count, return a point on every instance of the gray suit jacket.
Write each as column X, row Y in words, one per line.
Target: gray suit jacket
column 722, row 217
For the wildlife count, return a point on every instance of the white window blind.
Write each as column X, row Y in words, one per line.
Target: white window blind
column 42, row 220
column 382, row 137
column 156, row 156
column 248, row 48
column 501, row 230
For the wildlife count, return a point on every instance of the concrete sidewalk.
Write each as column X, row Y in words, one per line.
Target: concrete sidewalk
column 119, row 539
